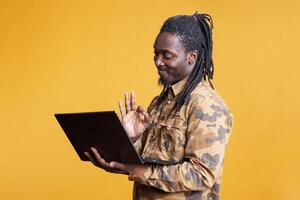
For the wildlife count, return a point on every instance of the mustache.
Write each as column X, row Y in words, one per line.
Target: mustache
column 162, row 68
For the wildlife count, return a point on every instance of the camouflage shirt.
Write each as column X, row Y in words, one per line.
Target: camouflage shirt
column 189, row 146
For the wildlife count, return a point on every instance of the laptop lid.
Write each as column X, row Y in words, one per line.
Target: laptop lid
column 102, row 130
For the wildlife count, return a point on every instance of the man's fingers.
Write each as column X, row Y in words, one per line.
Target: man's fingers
column 147, row 117
column 133, row 100
column 140, row 109
column 118, row 166
column 127, row 102
column 122, row 109
column 88, row 155
column 99, row 159
column 97, row 155
column 116, row 171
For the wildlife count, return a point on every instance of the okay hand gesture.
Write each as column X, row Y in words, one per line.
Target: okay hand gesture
column 135, row 120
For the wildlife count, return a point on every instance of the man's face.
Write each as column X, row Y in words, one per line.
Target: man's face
column 172, row 62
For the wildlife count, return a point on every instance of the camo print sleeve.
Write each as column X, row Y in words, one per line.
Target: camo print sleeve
column 208, row 129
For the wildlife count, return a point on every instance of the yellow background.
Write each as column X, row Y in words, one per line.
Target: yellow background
column 76, row 55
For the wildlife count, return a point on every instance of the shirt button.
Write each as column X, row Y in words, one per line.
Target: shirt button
column 169, row 101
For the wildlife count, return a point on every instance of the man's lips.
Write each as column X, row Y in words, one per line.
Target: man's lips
column 161, row 68
column 162, row 72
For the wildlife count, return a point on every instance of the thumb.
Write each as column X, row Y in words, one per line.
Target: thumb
column 118, row 165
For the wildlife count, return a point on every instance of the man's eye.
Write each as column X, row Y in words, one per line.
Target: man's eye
column 167, row 56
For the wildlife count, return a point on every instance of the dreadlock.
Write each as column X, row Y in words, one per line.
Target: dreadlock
column 195, row 33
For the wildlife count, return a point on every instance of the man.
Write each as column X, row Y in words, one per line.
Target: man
column 186, row 128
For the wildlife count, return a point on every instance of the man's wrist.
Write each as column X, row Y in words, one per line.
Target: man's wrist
column 140, row 173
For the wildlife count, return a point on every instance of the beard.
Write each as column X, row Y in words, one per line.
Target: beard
column 162, row 82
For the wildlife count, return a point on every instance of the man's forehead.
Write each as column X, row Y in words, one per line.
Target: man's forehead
column 166, row 40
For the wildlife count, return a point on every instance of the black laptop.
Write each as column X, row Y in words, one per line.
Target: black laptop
column 102, row 130
column 105, row 132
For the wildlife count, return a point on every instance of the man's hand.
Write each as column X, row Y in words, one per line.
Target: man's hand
column 114, row 167
column 95, row 157
column 135, row 120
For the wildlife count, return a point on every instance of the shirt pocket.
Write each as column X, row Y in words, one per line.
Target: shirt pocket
column 173, row 137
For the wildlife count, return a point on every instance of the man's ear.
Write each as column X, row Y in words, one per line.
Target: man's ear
column 192, row 57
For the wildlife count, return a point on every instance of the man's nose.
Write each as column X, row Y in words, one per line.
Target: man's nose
column 158, row 61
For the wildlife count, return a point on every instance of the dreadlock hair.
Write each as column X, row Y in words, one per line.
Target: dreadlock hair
column 195, row 33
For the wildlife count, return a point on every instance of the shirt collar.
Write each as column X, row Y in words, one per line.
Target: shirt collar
column 179, row 86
